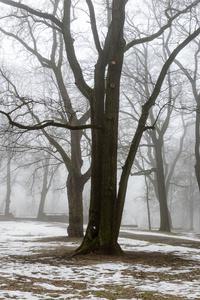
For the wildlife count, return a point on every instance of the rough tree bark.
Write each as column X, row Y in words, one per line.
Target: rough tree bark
column 101, row 232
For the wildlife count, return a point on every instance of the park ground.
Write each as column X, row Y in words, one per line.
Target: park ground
column 36, row 263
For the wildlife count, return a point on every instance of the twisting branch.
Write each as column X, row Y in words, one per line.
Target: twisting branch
column 158, row 115
column 162, row 29
column 156, row 91
column 32, row 11
column 47, row 123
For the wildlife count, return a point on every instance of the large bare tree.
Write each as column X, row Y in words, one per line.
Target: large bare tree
column 49, row 56
column 103, row 94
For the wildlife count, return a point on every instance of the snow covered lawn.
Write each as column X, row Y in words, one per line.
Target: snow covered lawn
column 34, row 265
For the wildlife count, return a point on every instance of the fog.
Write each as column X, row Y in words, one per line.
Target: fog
column 24, row 205
column 36, row 165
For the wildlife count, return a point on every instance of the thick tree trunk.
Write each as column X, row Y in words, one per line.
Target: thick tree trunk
column 40, row 215
column 75, row 185
column 75, row 202
column 161, row 188
column 75, row 181
column 106, row 213
column 101, row 231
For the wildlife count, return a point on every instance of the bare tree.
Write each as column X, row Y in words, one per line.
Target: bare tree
column 46, row 184
column 158, row 170
column 193, row 78
column 106, row 205
column 61, row 109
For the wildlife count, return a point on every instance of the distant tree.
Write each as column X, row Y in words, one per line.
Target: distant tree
column 46, row 184
column 184, row 193
column 55, row 101
column 8, row 188
column 193, row 76
column 158, row 169
column 8, row 157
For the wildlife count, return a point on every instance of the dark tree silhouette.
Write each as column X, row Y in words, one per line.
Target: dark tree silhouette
column 106, row 204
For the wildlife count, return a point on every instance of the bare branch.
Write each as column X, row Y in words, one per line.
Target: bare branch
column 71, row 55
column 166, row 66
column 32, row 11
column 44, row 61
column 144, row 172
column 162, row 29
column 47, row 123
column 94, row 26
column 145, row 112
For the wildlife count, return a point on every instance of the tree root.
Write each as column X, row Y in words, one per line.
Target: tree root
column 94, row 247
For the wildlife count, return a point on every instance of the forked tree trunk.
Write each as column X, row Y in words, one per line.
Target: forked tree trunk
column 75, row 181
column 75, row 185
column 101, row 233
column 105, row 215
column 106, row 207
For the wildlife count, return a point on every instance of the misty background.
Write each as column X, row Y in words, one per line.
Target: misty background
column 33, row 163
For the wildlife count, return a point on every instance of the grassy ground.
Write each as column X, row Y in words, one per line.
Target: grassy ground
column 61, row 256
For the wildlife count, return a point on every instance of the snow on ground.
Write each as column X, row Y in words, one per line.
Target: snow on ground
column 55, row 280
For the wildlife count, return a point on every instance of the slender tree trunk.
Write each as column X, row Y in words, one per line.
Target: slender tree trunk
column 8, row 189
column 164, row 212
column 45, row 189
column 126, row 169
column 147, row 199
column 197, row 143
column 191, row 209
column 191, row 201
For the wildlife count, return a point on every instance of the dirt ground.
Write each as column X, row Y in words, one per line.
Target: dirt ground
column 112, row 292
column 62, row 256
